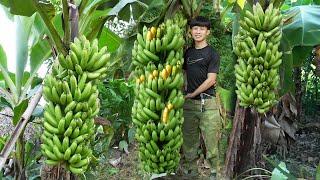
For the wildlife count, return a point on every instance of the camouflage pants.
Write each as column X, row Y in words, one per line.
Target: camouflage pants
column 206, row 124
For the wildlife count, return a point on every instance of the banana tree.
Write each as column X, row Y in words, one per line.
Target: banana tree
column 300, row 36
column 61, row 24
column 17, row 87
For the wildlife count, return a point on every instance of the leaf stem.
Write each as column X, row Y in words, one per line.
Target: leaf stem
column 54, row 34
column 65, row 9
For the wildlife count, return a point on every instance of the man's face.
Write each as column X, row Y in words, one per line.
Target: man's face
column 199, row 33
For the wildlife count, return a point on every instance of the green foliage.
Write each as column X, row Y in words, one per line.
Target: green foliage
column 300, row 29
column 3, row 141
column 116, row 101
column 311, row 87
column 221, row 39
column 318, row 172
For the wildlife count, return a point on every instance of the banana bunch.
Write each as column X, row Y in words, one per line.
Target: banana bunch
column 151, row 44
column 157, row 110
column 72, row 103
column 257, row 47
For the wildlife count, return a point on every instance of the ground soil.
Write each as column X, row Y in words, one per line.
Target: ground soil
column 302, row 157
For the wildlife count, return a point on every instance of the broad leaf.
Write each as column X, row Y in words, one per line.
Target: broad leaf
column 4, row 75
column 131, row 133
column 57, row 22
column 241, row 3
column 22, row 7
column 302, row 27
column 23, row 29
column 111, row 40
column 123, row 146
column 93, row 24
column 5, row 101
column 3, row 58
column 152, row 13
column 39, row 53
column 19, row 110
column 299, row 54
column 117, row 8
column 5, row 3
column 286, row 71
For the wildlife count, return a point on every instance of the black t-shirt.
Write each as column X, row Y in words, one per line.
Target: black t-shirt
column 198, row 63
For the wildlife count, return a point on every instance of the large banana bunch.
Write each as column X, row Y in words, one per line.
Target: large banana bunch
column 257, row 46
column 72, row 103
column 157, row 111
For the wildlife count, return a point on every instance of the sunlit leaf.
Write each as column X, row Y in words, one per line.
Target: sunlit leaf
column 241, row 3
column 19, row 110
column 3, row 58
column 22, row 7
column 109, row 39
column 23, row 30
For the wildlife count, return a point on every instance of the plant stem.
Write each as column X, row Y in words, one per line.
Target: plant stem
column 65, row 9
column 74, row 18
column 19, row 156
column 54, row 34
column 19, row 128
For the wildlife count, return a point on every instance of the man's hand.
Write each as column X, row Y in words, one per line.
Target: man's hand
column 189, row 96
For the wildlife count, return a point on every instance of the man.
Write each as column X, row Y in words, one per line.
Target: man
column 201, row 112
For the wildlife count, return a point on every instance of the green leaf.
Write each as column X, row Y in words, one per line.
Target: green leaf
column 24, row 25
column 299, row 54
column 109, row 39
column 302, row 26
column 19, row 110
column 39, row 53
column 151, row 14
column 228, row 98
column 286, row 74
column 123, row 145
column 277, row 174
column 92, row 25
column 317, row 2
column 9, row 82
column 3, row 58
column 241, row 3
column 131, row 134
column 5, row 3
column 118, row 7
column 22, row 7
column 4, row 102
column 318, row 172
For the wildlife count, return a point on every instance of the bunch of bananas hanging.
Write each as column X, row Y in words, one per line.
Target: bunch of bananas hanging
column 157, row 111
column 257, row 46
column 72, row 103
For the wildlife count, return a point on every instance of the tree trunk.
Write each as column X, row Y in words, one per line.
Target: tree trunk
column 56, row 173
column 298, row 90
column 244, row 144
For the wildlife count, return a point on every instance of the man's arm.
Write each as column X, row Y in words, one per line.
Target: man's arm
column 209, row 82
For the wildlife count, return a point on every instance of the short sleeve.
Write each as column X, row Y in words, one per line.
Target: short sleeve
column 214, row 63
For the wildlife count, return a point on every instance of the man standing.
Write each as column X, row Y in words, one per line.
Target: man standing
column 201, row 112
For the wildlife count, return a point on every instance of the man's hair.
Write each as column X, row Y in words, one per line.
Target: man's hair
column 200, row 21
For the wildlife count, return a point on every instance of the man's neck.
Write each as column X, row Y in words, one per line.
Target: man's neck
column 200, row 45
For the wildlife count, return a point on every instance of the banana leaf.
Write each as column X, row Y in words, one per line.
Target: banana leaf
column 301, row 31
